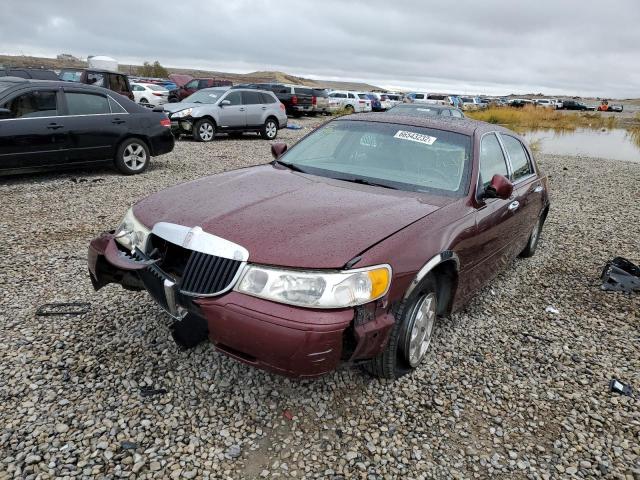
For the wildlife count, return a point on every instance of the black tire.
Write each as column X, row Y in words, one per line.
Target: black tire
column 349, row 109
column 132, row 156
column 144, row 101
column 269, row 130
column 393, row 362
column 204, row 130
column 532, row 243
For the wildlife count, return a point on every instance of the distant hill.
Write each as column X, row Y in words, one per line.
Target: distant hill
column 266, row 76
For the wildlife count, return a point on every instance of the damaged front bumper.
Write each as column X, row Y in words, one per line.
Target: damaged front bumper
column 284, row 339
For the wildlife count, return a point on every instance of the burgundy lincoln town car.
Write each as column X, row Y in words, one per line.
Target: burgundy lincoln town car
column 347, row 247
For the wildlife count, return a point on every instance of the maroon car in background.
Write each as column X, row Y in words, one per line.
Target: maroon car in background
column 347, row 247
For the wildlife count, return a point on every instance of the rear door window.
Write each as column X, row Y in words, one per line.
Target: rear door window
column 87, row 104
column 517, row 155
column 251, row 98
column 34, row 104
column 492, row 161
column 117, row 83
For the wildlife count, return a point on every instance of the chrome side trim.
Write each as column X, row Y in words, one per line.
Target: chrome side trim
column 430, row 265
column 200, row 241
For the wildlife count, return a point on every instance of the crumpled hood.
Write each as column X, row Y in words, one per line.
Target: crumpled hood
column 287, row 218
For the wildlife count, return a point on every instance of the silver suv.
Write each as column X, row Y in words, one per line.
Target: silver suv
column 217, row 110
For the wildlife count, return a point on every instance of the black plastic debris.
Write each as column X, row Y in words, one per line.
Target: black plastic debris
column 616, row 386
column 150, row 392
column 69, row 308
column 620, row 275
column 126, row 445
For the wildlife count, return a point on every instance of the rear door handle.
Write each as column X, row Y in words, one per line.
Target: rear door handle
column 242, row 109
column 538, row 189
column 264, row 108
column 513, row 206
column 117, row 121
column 54, row 126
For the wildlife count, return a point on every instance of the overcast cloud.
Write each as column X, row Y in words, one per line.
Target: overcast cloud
column 467, row 46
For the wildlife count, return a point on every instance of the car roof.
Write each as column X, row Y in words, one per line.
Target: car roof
column 99, row 70
column 465, row 126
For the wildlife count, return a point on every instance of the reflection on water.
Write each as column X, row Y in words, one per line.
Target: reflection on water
column 616, row 144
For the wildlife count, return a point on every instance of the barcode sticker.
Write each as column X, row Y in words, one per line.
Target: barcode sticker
column 415, row 137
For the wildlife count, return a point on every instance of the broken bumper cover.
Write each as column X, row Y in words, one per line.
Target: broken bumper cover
column 284, row 339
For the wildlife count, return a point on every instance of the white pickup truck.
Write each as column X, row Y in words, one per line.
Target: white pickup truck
column 350, row 101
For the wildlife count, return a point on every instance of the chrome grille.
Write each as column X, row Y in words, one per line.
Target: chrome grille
column 207, row 274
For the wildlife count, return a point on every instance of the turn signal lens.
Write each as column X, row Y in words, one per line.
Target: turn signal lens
column 379, row 281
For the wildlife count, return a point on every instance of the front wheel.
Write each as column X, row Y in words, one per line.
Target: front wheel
column 204, row 130
column 132, row 157
column 349, row 109
column 412, row 332
column 269, row 129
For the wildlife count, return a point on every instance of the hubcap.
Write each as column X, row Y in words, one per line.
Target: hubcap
column 134, row 156
column 420, row 325
column 271, row 129
column 206, row 131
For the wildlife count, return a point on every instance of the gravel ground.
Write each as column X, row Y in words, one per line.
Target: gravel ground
column 508, row 390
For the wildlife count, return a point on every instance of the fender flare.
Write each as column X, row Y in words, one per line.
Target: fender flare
column 433, row 262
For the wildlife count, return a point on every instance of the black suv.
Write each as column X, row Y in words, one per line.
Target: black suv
column 34, row 73
column 118, row 82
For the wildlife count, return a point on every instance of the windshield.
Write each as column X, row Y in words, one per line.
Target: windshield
column 155, row 87
column 205, row 96
column 467, row 99
column 397, row 156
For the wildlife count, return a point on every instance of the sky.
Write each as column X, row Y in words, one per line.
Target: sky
column 495, row 47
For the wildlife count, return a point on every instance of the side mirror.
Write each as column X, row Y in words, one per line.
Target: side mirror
column 500, row 187
column 5, row 113
column 277, row 149
column 224, row 103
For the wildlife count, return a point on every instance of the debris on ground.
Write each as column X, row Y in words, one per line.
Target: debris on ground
column 616, row 386
column 551, row 309
column 620, row 275
column 294, row 126
column 63, row 308
column 150, row 392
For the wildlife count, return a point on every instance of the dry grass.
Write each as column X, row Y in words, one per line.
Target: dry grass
column 530, row 117
column 634, row 134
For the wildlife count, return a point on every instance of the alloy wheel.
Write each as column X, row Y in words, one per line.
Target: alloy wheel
column 271, row 129
column 206, row 132
column 134, row 157
column 421, row 322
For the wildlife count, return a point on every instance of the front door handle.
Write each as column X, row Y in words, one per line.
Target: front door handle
column 513, row 206
column 54, row 126
column 117, row 121
column 264, row 108
column 538, row 189
column 242, row 109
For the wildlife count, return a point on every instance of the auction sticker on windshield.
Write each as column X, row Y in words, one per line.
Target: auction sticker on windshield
column 415, row 137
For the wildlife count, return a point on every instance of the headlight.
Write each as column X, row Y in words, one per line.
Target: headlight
column 131, row 233
column 316, row 289
column 182, row 113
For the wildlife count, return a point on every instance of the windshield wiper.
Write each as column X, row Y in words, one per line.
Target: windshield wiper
column 362, row 181
column 290, row 166
column 197, row 101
